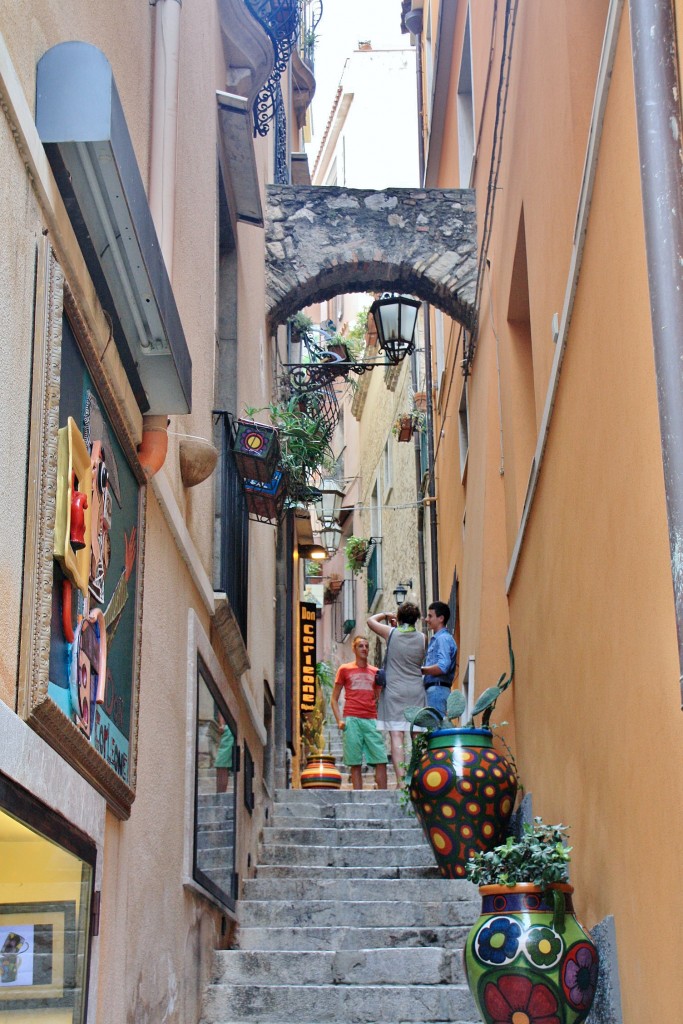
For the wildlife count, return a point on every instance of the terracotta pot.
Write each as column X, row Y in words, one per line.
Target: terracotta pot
column 420, row 400
column 405, row 430
column 463, row 792
column 321, row 773
column 521, row 966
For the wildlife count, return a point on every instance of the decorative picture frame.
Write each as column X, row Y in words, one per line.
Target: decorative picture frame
column 54, row 301
column 38, row 955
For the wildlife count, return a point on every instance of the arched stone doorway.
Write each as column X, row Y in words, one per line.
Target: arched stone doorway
column 324, row 241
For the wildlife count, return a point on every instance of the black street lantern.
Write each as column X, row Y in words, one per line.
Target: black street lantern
column 401, row 592
column 395, row 317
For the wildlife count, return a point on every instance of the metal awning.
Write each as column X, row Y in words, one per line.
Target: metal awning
column 81, row 123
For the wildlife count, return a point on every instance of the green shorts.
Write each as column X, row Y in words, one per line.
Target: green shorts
column 361, row 735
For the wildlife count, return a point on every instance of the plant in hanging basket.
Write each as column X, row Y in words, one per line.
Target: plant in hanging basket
column 420, row 401
column 404, row 426
column 256, row 450
column 356, row 552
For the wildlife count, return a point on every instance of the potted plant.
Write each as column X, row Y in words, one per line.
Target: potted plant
column 462, row 789
column 527, row 956
column 333, row 587
column 420, row 401
column 320, row 771
column 313, row 571
column 356, row 552
column 404, row 427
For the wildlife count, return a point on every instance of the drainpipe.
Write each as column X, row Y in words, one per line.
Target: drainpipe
column 658, row 98
column 162, row 175
column 414, row 23
column 420, row 509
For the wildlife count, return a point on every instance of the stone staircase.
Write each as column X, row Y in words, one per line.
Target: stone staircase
column 347, row 920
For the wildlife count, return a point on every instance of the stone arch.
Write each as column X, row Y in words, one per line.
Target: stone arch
column 324, row 241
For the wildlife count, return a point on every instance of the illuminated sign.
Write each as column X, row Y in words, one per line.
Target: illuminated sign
column 307, row 628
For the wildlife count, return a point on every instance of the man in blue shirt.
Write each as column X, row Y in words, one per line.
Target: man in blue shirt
column 439, row 665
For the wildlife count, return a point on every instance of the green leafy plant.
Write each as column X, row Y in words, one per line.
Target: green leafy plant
column 356, row 551
column 355, row 337
column 540, row 857
column 313, row 723
column 304, row 438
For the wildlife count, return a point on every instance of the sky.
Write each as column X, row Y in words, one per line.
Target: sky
column 343, row 25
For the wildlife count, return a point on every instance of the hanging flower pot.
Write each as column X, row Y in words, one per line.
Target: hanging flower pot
column 420, row 401
column 463, row 792
column 356, row 551
column 256, row 449
column 321, row 772
column 265, row 501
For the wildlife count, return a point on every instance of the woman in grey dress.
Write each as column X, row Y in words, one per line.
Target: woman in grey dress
column 405, row 685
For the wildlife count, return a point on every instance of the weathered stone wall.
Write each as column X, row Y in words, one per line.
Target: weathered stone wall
column 324, row 241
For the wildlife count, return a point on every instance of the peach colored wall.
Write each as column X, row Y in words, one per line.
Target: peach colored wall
column 156, row 938
column 590, row 606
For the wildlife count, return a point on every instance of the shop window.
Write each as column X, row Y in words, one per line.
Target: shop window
column 216, row 764
column 45, row 911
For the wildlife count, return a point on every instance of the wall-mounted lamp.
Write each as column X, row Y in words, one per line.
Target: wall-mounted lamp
column 316, row 552
column 328, row 504
column 395, row 317
column 401, row 592
column 330, row 536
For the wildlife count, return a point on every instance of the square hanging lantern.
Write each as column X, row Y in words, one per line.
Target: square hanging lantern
column 395, row 317
column 330, row 537
column 328, row 505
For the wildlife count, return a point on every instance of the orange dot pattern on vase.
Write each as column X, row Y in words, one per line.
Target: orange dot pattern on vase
column 463, row 797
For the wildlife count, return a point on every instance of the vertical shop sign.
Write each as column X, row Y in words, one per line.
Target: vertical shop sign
column 307, row 637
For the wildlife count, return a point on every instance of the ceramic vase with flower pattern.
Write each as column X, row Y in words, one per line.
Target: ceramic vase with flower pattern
column 525, row 968
column 463, row 792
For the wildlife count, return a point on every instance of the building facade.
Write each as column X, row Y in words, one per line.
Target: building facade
column 551, row 494
column 138, row 676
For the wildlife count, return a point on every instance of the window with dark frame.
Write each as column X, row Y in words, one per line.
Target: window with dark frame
column 215, row 816
column 248, row 780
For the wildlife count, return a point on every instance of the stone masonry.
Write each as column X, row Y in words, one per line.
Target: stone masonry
column 326, row 241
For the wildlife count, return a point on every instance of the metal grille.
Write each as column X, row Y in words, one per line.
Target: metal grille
column 233, row 527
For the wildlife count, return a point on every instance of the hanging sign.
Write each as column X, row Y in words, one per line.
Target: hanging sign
column 307, row 635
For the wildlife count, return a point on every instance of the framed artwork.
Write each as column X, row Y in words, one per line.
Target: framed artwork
column 82, row 608
column 37, row 955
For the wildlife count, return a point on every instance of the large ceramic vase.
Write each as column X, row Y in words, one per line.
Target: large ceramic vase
column 321, row 772
column 463, row 792
column 523, row 969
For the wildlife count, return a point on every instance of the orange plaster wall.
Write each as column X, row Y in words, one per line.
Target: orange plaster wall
column 598, row 714
column 595, row 706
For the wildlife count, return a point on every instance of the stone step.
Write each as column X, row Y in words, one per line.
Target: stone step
column 419, row 965
column 216, row 835
column 360, row 889
column 215, row 857
column 353, row 814
column 353, row 914
column 405, row 1003
column 389, row 833
column 296, row 871
column 351, row 856
column 336, row 796
column 340, row 937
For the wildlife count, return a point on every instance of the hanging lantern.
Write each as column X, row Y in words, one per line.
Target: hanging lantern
column 395, row 317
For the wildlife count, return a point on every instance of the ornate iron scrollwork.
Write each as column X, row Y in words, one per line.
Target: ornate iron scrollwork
column 281, row 19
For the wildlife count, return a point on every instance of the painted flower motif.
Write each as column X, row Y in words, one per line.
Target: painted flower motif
column 515, row 999
column 498, row 942
column 543, row 946
column 580, row 975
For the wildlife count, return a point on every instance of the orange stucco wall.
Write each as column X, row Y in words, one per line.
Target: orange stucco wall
column 595, row 705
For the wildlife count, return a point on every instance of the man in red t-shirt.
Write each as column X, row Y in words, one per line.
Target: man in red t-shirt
column 359, row 724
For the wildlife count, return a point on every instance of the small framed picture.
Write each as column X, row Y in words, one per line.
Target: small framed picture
column 37, row 955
